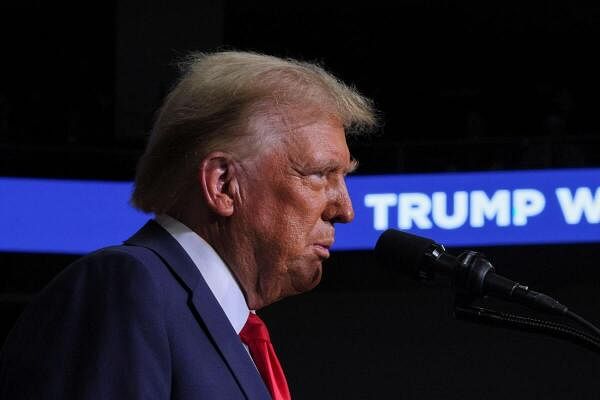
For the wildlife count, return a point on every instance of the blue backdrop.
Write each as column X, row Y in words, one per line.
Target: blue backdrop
column 455, row 209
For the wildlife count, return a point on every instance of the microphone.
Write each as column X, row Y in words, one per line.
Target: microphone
column 423, row 259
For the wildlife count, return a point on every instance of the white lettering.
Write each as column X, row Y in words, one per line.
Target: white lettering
column 414, row 207
column 527, row 203
column 461, row 210
column 482, row 207
column 381, row 203
column 573, row 207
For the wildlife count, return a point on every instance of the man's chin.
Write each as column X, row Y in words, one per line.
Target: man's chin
column 307, row 280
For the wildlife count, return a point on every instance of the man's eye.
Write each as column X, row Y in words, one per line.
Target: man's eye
column 317, row 177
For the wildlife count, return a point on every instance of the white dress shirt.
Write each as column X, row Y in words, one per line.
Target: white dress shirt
column 217, row 275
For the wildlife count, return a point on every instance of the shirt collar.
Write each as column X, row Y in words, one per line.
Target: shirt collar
column 217, row 275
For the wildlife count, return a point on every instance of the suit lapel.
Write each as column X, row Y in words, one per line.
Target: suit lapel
column 204, row 305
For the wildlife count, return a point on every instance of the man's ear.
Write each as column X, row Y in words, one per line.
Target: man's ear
column 217, row 176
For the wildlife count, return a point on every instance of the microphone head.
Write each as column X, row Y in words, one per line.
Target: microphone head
column 402, row 251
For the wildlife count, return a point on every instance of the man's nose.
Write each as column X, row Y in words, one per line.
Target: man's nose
column 340, row 207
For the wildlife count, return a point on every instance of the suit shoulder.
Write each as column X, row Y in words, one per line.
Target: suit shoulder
column 128, row 260
column 109, row 270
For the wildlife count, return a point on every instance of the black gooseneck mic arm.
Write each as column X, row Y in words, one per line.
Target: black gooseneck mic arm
column 475, row 277
column 480, row 279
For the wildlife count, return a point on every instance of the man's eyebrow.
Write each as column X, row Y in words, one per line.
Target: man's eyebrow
column 334, row 165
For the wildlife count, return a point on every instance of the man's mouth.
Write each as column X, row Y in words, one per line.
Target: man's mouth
column 322, row 248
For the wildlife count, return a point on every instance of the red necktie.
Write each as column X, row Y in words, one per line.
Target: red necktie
column 256, row 336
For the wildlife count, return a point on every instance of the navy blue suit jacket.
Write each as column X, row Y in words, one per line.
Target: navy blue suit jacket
column 128, row 322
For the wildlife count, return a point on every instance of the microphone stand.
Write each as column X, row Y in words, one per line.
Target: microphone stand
column 465, row 308
column 477, row 313
column 473, row 283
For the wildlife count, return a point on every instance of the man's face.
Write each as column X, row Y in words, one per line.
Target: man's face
column 291, row 198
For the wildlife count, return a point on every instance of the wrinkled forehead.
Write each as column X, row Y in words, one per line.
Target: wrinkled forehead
column 279, row 122
column 304, row 141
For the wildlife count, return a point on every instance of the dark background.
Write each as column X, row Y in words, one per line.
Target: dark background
column 462, row 86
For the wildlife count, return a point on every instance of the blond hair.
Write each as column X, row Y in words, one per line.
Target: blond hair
column 210, row 108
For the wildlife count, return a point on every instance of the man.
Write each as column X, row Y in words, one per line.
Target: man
column 245, row 172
